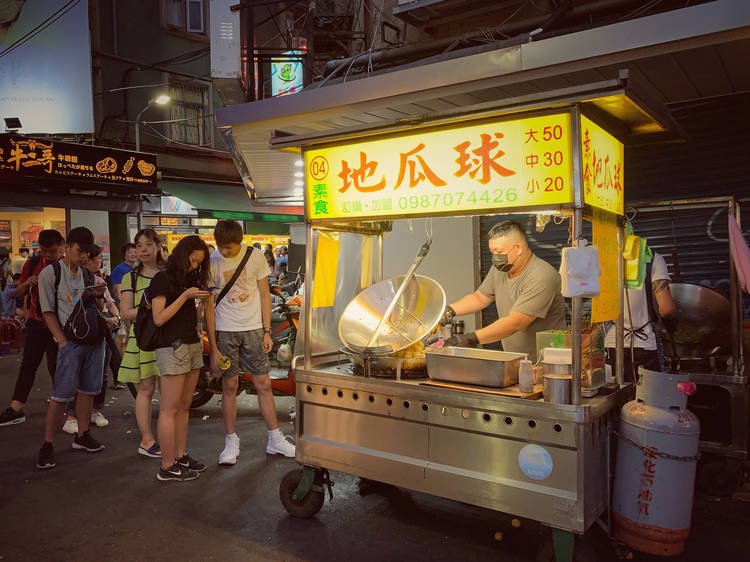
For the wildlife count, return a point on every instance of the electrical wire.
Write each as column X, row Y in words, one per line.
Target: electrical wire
column 40, row 27
column 196, row 146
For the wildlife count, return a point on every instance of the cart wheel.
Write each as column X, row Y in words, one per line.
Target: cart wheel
column 308, row 506
column 719, row 476
column 201, row 394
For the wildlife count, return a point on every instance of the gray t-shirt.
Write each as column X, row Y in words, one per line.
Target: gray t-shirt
column 535, row 292
column 68, row 293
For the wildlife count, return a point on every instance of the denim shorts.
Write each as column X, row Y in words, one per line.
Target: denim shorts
column 244, row 351
column 79, row 368
column 186, row 358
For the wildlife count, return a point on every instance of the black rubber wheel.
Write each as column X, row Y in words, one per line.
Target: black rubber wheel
column 310, row 504
column 201, row 394
column 719, row 476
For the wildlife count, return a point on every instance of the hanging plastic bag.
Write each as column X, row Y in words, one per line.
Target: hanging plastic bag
column 580, row 271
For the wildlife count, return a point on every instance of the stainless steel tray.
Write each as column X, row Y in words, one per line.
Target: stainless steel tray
column 473, row 366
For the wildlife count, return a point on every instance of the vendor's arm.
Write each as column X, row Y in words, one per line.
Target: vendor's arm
column 504, row 327
column 664, row 301
column 660, row 288
column 473, row 302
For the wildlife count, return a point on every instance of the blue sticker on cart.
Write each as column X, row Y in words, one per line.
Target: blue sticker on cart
column 535, row 461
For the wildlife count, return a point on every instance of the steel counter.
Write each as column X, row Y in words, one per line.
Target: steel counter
column 543, row 461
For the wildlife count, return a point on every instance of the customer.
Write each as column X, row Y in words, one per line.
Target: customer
column 138, row 366
column 78, row 366
column 10, row 310
column 107, row 307
column 6, row 273
column 20, row 260
column 180, row 357
column 243, row 323
column 38, row 339
column 130, row 259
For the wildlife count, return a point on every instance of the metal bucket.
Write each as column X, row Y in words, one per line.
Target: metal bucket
column 557, row 388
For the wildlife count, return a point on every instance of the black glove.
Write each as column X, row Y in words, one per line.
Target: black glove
column 462, row 340
column 448, row 315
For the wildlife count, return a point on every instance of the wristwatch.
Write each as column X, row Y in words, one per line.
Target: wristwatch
column 266, row 330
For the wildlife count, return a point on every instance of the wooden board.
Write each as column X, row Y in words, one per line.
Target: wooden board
column 511, row 391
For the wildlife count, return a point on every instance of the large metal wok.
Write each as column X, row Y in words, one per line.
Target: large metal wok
column 415, row 315
column 703, row 322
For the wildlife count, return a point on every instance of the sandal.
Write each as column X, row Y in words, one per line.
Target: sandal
column 154, row 451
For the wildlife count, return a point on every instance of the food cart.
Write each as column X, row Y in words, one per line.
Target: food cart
column 545, row 461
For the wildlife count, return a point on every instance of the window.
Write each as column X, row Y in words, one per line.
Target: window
column 187, row 16
column 190, row 111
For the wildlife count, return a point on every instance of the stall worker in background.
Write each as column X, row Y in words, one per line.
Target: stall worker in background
column 642, row 344
column 525, row 289
column 78, row 375
column 131, row 258
column 243, row 335
column 20, row 260
column 38, row 339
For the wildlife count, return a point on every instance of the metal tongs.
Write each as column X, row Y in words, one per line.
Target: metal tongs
column 409, row 274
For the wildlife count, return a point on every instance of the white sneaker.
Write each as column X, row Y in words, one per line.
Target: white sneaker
column 231, row 450
column 99, row 420
column 280, row 446
column 71, row 426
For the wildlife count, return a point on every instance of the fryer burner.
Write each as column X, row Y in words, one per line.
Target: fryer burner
column 389, row 373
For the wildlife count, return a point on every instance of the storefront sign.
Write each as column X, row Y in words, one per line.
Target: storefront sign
column 286, row 74
column 603, row 156
column 25, row 157
column 607, row 305
column 249, row 239
column 176, row 206
column 485, row 167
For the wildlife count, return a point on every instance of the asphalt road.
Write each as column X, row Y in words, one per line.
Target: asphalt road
column 109, row 505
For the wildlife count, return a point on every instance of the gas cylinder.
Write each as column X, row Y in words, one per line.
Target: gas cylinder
column 657, row 451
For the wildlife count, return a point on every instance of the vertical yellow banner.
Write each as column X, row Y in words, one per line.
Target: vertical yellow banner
column 365, row 276
column 607, row 305
column 326, row 269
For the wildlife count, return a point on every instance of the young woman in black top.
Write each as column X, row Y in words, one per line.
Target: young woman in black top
column 173, row 293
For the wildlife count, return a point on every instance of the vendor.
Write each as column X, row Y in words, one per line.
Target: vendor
column 643, row 307
column 525, row 289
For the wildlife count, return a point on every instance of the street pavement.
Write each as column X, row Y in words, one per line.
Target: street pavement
column 109, row 505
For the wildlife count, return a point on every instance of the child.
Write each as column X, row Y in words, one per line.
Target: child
column 10, row 298
column 180, row 356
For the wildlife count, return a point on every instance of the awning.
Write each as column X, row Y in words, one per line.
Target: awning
column 227, row 201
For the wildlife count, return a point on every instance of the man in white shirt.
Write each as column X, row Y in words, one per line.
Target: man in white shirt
column 243, row 334
column 641, row 318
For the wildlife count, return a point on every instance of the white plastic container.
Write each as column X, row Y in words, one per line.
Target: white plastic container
column 526, row 376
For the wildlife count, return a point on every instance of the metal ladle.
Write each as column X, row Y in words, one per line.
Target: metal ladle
column 417, row 261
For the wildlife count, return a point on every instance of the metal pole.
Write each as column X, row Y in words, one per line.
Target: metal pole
column 309, row 267
column 379, row 260
column 139, row 215
column 575, row 387
column 734, row 300
column 620, row 322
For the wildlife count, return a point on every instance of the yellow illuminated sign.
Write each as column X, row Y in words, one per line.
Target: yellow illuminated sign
column 602, row 163
column 484, row 167
column 607, row 305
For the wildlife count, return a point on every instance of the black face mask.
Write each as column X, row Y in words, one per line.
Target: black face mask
column 500, row 261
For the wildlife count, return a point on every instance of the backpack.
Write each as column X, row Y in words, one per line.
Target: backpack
column 147, row 334
column 85, row 325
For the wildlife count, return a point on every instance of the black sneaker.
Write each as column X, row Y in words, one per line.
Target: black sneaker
column 87, row 443
column 177, row 473
column 9, row 416
column 189, row 462
column 46, row 456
